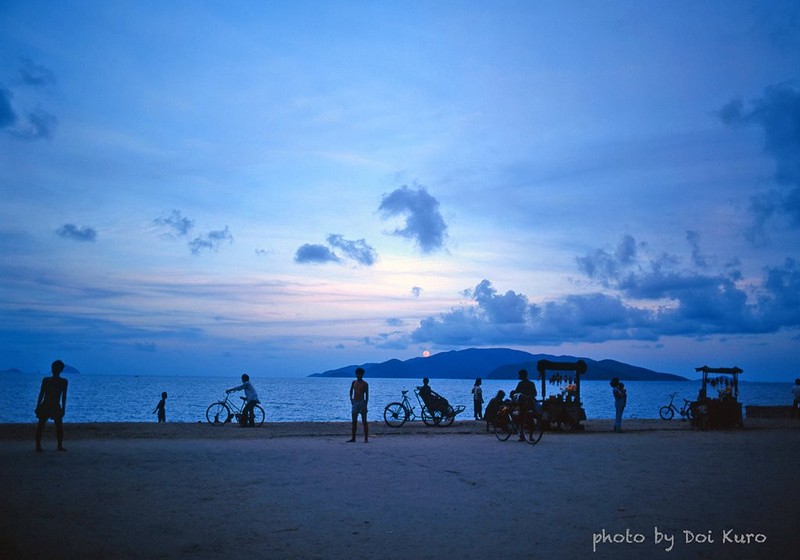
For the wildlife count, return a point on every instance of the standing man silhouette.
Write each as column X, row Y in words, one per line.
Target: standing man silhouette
column 52, row 403
column 359, row 395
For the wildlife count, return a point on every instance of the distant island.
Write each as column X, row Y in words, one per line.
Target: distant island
column 494, row 363
column 14, row 371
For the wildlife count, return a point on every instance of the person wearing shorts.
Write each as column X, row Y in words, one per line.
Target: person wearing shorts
column 359, row 395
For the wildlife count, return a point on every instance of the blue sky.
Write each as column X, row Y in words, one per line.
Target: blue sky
column 287, row 187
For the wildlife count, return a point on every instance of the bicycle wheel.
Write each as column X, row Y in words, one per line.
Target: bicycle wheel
column 503, row 427
column 533, row 429
column 689, row 412
column 258, row 415
column 666, row 412
column 395, row 415
column 218, row 414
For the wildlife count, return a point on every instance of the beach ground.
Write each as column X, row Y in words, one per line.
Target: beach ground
column 193, row 491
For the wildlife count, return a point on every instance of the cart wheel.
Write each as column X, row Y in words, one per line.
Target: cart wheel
column 534, row 428
column 444, row 419
column 395, row 415
column 428, row 418
column 503, row 427
column 666, row 413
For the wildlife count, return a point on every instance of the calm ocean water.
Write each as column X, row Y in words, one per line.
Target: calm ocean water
column 113, row 398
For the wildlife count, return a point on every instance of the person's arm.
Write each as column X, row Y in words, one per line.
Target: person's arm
column 231, row 390
column 64, row 399
column 352, row 389
column 366, row 392
column 41, row 396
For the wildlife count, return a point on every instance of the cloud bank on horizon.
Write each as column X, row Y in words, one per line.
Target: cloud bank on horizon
column 293, row 187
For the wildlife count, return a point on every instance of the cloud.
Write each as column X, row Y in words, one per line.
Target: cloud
column 176, row 222
column 7, row 115
column 36, row 75
column 416, row 291
column 71, row 231
column 212, row 240
column 424, row 223
column 777, row 113
column 357, row 250
column 309, row 253
column 647, row 299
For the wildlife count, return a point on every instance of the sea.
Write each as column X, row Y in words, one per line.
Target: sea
column 132, row 398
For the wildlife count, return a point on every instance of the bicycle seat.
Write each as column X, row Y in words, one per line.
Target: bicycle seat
column 243, row 398
column 405, row 392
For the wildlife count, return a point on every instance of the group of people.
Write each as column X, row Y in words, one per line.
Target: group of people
column 52, row 401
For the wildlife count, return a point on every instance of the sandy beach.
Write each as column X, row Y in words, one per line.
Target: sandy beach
column 660, row 490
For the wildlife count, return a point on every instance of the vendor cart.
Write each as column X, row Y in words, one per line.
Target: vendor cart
column 563, row 410
column 722, row 410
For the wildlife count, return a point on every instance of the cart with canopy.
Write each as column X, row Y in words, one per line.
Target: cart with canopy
column 564, row 409
column 723, row 410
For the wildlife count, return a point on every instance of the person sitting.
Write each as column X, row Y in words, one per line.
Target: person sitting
column 493, row 407
column 525, row 396
column 434, row 402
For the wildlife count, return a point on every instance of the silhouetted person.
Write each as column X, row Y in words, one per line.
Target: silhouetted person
column 493, row 408
column 248, row 418
column 359, row 395
column 526, row 389
column 796, row 395
column 434, row 402
column 477, row 399
column 52, row 403
column 161, row 408
column 620, row 400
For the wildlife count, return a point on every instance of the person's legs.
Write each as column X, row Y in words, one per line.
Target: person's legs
column 249, row 415
column 618, row 419
column 364, row 423
column 59, row 432
column 39, row 428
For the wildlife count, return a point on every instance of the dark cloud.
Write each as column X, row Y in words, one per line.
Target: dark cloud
column 698, row 258
column 424, row 223
column 7, row 115
column 357, row 250
column 777, row 113
column 669, row 301
column 605, row 267
column 309, row 253
column 36, row 75
column 41, row 125
column 416, row 291
column 177, row 223
column 211, row 241
column 71, row 231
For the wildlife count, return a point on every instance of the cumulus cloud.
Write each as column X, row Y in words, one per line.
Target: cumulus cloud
column 73, row 232
column 357, row 250
column 777, row 113
column 310, row 254
column 7, row 115
column 210, row 241
column 424, row 223
column 34, row 74
column 178, row 224
column 647, row 299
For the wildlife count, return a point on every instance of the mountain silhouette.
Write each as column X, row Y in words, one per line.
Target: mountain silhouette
column 493, row 363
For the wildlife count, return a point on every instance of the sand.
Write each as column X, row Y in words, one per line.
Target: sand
column 300, row 491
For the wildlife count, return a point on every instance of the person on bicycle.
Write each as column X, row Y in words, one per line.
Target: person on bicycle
column 359, row 395
column 525, row 396
column 433, row 400
column 248, row 418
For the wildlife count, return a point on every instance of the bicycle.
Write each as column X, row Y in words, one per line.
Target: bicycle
column 222, row 412
column 398, row 413
column 667, row 412
column 507, row 423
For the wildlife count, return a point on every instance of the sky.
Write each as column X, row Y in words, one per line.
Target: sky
column 283, row 188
